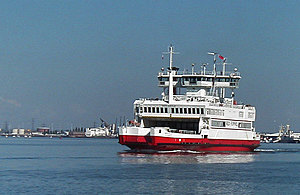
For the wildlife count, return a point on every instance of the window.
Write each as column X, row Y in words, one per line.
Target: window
column 202, row 110
column 172, row 110
column 162, row 110
column 245, row 125
column 149, row 109
column 164, row 79
column 157, row 110
column 193, row 111
column 215, row 112
column 153, row 109
column 185, row 110
column 189, row 109
column 145, row 109
column 176, row 109
column 181, row 111
column 166, row 110
column 217, row 123
column 198, row 110
column 250, row 115
column 193, row 80
column 241, row 114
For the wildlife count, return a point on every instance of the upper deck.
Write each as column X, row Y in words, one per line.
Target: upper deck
column 201, row 79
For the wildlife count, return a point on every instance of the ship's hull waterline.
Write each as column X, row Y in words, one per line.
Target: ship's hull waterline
column 187, row 144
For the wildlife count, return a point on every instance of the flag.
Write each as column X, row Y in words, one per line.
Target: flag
column 162, row 57
column 221, row 57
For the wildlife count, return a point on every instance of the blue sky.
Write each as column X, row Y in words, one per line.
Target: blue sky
column 71, row 62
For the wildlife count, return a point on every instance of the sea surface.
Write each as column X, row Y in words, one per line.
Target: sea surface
column 102, row 166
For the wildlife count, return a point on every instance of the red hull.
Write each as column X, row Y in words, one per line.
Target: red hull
column 168, row 144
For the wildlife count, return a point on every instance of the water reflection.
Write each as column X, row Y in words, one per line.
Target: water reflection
column 130, row 157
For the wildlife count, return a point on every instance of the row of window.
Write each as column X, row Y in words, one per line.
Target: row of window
column 180, row 110
column 194, row 79
column 244, row 125
column 215, row 112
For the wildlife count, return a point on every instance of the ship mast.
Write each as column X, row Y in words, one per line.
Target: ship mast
column 171, row 90
column 212, row 89
column 224, row 69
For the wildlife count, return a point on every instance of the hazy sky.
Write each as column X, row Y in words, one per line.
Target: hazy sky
column 70, row 62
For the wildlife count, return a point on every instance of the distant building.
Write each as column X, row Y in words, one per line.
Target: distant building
column 18, row 131
column 43, row 130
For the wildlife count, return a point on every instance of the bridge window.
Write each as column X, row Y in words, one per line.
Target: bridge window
column 185, row 110
column 166, row 110
column 193, row 80
column 149, row 109
column 163, row 78
column 157, row 110
column 153, row 109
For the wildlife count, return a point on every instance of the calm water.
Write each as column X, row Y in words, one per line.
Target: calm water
column 102, row 166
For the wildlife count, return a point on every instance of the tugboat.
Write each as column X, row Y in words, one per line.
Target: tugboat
column 286, row 135
column 193, row 114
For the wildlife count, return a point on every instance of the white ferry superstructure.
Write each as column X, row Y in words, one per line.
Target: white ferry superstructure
column 193, row 113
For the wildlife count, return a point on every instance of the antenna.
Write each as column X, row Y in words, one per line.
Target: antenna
column 204, row 67
column 214, row 54
column 193, row 66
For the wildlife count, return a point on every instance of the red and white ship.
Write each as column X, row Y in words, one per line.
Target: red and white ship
column 197, row 112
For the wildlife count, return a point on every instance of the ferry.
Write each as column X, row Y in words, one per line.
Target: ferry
column 197, row 112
